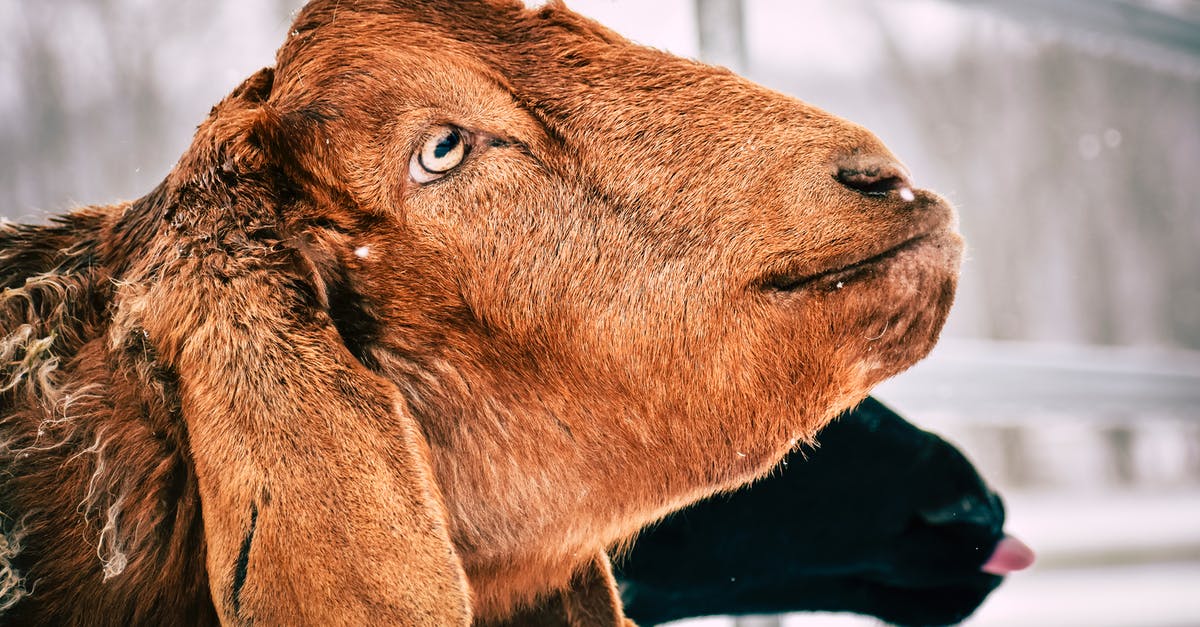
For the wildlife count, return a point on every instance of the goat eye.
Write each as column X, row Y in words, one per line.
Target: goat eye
column 443, row 150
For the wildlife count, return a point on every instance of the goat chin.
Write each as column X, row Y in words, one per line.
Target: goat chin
column 465, row 292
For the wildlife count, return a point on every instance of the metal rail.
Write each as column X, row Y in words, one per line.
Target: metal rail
column 1139, row 21
column 978, row 378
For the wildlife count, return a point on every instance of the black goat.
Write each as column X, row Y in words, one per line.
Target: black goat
column 881, row 519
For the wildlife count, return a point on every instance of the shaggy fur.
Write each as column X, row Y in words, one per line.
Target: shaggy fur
column 293, row 385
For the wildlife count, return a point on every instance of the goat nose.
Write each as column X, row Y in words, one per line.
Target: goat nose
column 874, row 176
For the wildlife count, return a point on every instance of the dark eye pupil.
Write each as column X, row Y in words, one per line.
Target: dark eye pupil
column 446, row 144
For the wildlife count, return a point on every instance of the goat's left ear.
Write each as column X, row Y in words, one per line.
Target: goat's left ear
column 247, row 132
column 318, row 496
column 239, row 130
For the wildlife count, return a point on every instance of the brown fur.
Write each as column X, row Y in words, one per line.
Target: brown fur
column 214, row 409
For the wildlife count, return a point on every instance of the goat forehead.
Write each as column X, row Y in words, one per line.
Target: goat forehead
column 547, row 56
column 605, row 98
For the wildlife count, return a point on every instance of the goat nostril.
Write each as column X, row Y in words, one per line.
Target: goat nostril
column 875, row 177
column 869, row 182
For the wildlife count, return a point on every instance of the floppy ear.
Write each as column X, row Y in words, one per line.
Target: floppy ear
column 318, row 501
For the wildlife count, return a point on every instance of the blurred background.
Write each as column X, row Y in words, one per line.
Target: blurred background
column 1066, row 131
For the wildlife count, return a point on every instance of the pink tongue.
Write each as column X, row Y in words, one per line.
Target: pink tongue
column 1010, row 555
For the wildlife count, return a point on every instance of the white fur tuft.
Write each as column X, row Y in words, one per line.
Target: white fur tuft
column 12, row 585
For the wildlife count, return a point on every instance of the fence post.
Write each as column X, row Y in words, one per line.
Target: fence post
column 720, row 24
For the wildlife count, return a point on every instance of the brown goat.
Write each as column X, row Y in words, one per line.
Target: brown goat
column 454, row 299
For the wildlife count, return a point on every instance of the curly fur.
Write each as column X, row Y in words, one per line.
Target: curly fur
column 12, row 584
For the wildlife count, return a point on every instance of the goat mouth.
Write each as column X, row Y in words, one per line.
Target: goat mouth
column 839, row 277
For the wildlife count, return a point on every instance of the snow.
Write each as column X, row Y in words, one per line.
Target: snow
column 1160, row 595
